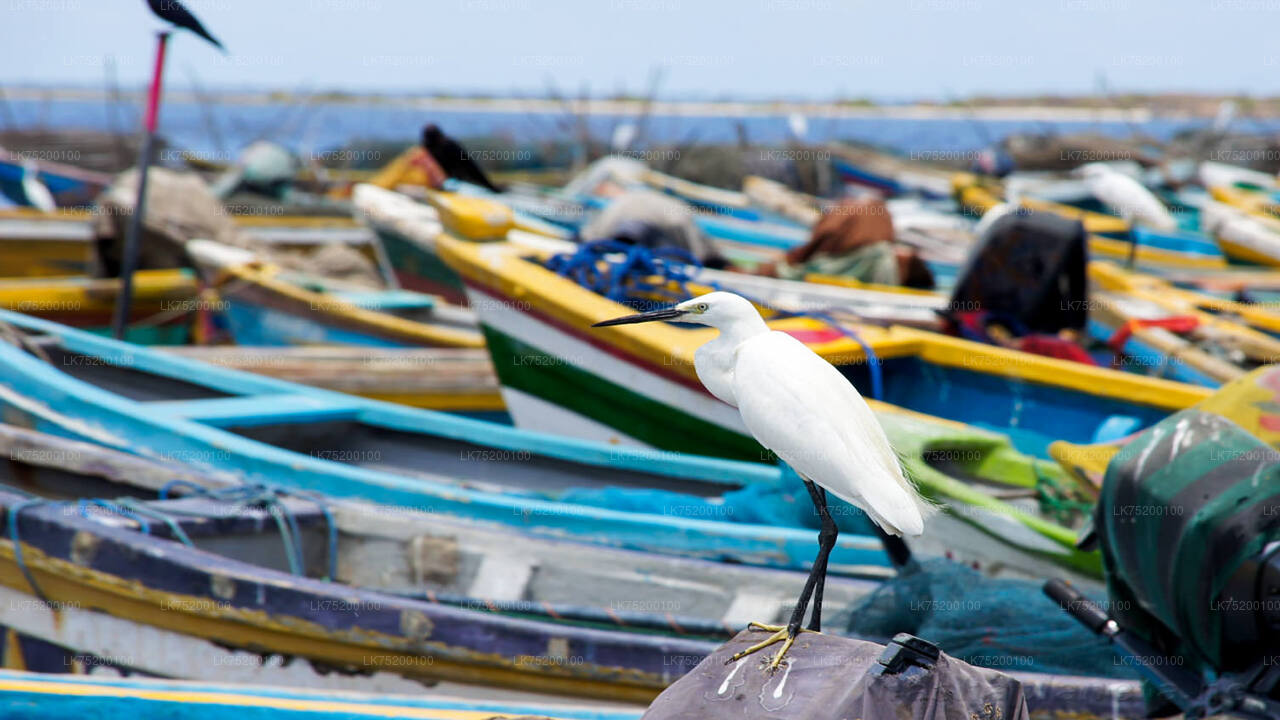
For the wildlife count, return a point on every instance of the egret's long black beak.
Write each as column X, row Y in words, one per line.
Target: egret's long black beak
column 650, row 316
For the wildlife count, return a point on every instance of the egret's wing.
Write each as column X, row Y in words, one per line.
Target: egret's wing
column 800, row 407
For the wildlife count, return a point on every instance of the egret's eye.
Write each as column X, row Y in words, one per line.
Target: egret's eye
column 702, row 307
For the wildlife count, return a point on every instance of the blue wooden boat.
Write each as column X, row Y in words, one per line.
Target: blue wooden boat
column 189, row 573
column 70, row 186
column 39, row 696
column 267, row 430
column 266, row 306
column 231, row 583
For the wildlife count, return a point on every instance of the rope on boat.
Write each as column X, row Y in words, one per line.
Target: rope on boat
column 15, row 510
column 1056, row 499
column 270, row 498
column 627, row 280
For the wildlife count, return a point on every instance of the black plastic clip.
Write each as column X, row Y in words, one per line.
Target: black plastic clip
column 905, row 651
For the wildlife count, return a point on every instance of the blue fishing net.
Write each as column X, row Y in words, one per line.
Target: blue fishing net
column 1005, row 624
column 784, row 503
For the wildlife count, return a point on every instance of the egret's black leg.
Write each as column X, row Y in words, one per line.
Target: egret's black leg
column 826, row 542
column 814, row 583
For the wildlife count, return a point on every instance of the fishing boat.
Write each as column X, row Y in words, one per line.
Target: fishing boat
column 640, row 389
column 33, row 696
column 266, row 430
column 410, row 230
column 530, row 310
column 70, row 186
column 407, row 230
column 458, row 380
column 1247, row 231
column 1110, row 237
column 343, row 595
column 886, row 174
column 153, row 580
column 34, row 244
column 1182, row 334
column 165, row 303
column 267, row 306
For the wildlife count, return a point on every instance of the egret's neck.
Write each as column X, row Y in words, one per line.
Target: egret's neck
column 740, row 329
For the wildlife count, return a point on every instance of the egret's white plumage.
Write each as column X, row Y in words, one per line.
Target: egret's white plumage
column 37, row 194
column 800, row 407
column 1126, row 196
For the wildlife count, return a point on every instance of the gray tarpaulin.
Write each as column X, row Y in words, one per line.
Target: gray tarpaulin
column 835, row 678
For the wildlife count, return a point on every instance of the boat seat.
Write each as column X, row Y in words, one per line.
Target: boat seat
column 251, row 410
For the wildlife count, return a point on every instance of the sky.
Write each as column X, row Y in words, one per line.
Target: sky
column 706, row 49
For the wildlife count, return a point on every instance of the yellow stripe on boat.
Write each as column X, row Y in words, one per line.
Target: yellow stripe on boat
column 57, row 688
column 83, row 294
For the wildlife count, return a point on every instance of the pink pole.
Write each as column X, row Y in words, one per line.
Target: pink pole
column 129, row 256
column 157, row 81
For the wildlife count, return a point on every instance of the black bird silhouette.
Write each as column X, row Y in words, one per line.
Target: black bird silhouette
column 174, row 12
column 453, row 158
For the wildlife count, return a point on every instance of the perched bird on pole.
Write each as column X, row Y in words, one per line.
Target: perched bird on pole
column 799, row 406
column 174, row 12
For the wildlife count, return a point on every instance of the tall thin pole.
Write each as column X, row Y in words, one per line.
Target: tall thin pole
column 129, row 262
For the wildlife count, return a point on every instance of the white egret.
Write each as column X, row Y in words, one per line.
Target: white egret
column 800, row 407
column 1126, row 196
column 37, row 194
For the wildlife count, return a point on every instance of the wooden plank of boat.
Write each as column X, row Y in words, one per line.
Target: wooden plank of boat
column 142, row 401
column 444, row 379
column 25, row 694
column 264, row 306
column 164, row 302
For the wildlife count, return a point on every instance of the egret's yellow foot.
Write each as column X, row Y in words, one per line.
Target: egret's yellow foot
column 781, row 634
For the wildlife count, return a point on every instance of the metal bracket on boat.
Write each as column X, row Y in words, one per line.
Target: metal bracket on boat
column 903, row 652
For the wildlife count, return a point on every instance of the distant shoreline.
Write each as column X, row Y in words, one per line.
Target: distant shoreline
column 1005, row 110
